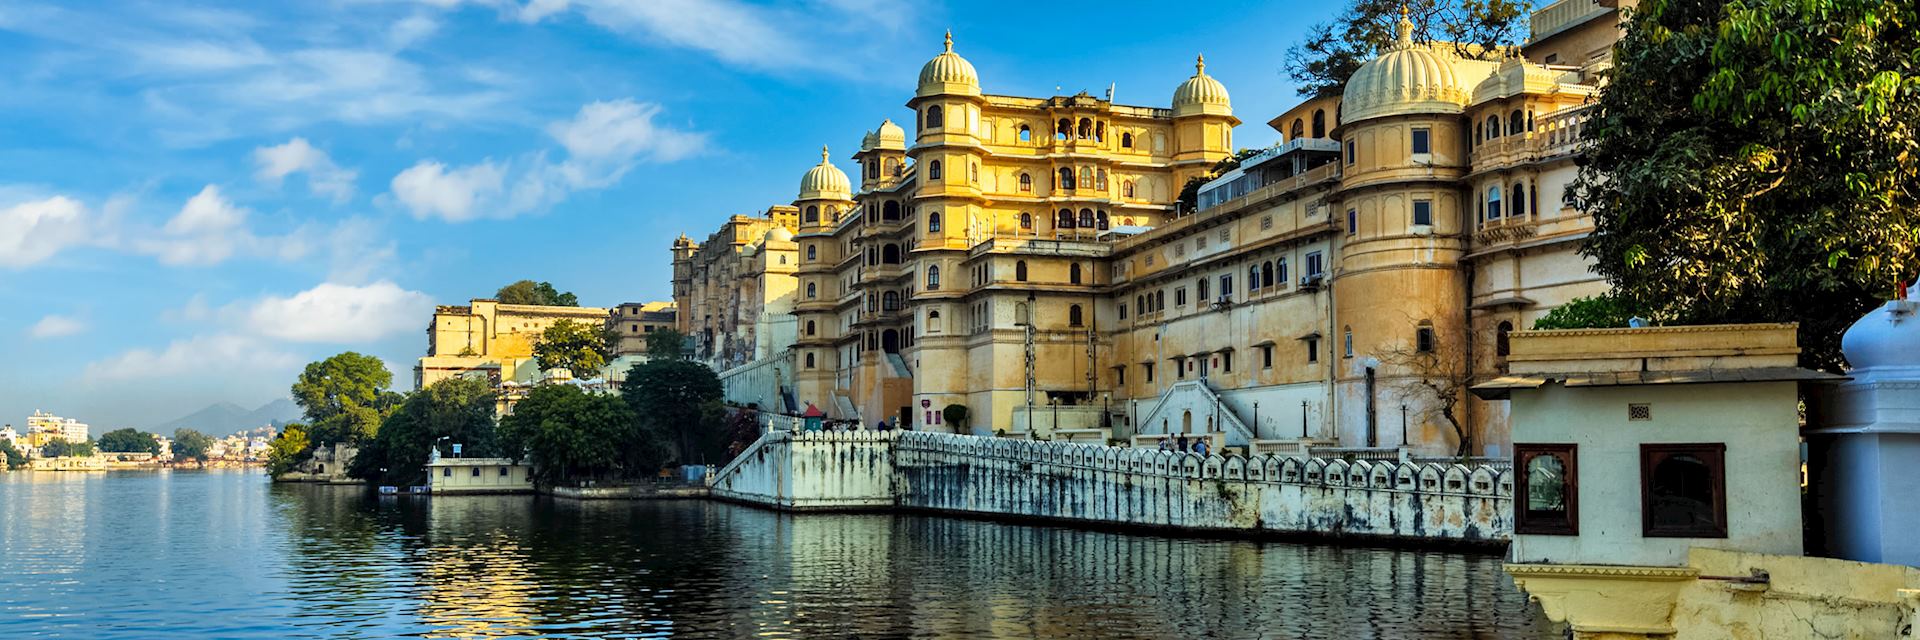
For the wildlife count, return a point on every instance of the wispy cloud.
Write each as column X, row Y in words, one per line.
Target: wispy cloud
column 297, row 156
column 208, row 230
column 56, row 326
column 218, row 356
column 35, row 230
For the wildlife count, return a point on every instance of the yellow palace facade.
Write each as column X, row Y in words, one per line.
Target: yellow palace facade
column 1025, row 257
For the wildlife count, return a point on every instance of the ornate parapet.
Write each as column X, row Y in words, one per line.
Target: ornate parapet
column 1606, row 602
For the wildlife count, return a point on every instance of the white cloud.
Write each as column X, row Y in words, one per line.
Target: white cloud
column 838, row 36
column 337, row 313
column 56, row 326
column 429, row 189
column 297, row 155
column 621, row 131
column 35, row 230
column 221, row 356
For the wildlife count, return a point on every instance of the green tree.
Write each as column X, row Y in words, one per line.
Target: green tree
column 680, row 400
column 1597, row 312
column 454, row 410
column 666, row 344
column 288, row 450
column 1333, row 50
column 345, row 397
column 191, row 445
column 15, row 459
column 1758, row 162
column 572, row 436
column 65, row 449
column 129, row 441
column 540, row 293
column 575, row 346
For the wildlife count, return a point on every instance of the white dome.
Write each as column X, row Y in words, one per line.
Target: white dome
column 777, row 234
column 890, row 136
column 948, row 73
column 1408, row 78
column 1201, row 93
column 1887, row 338
column 825, row 181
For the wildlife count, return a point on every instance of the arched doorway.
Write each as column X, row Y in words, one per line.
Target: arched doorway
column 890, row 341
column 1186, row 422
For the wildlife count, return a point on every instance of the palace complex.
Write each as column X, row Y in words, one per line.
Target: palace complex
column 1029, row 258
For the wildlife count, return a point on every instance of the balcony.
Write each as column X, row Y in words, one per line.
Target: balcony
column 1512, row 229
column 1554, row 134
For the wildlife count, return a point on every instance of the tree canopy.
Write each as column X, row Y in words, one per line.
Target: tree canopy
column 575, row 346
column 1597, row 312
column 65, row 449
column 288, row 450
column 14, row 459
column 454, row 410
column 540, row 293
column 191, row 445
column 681, row 400
column 129, row 440
column 1757, row 162
column 345, row 397
column 570, row 436
column 666, row 344
column 1333, row 50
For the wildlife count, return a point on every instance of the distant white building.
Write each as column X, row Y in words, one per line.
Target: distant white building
column 43, row 427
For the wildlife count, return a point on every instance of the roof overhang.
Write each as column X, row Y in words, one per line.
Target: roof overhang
column 1502, row 387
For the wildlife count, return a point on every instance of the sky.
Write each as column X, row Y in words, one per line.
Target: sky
column 197, row 199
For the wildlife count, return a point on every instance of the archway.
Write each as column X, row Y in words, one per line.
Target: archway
column 890, row 341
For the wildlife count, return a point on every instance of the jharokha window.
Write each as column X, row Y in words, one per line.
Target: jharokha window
column 1683, row 490
column 1546, row 493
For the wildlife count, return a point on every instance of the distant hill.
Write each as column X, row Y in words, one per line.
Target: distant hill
column 223, row 418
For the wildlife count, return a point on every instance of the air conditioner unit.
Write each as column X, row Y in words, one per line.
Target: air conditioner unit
column 1222, row 303
column 1312, row 282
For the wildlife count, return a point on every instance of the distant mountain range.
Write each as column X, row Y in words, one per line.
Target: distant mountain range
column 223, row 418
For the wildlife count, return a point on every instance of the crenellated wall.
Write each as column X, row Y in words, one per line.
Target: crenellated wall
column 1443, row 504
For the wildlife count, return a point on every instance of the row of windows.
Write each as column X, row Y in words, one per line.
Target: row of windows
column 1422, row 216
column 1065, row 128
column 1683, row 490
column 1492, row 208
column 1260, row 275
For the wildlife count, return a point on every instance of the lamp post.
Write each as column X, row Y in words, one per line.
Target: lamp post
column 1303, row 420
column 1256, row 419
column 1403, row 425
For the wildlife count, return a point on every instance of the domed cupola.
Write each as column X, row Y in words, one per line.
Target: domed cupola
column 825, row 181
column 948, row 73
column 1886, row 343
column 776, row 234
column 890, row 137
column 1408, row 78
column 1201, row 94
column 1515, row 76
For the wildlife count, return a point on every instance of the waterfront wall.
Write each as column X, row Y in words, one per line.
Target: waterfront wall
column 1428, row 503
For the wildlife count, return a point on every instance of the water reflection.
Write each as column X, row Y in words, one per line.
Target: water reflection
column 245, row 559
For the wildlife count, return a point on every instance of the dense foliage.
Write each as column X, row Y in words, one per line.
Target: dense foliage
column 191, row 445
column 681, row 400
column 571, row 436
column 578, row 347
column 540, row 293
column 65, row 449
column 1757, row 162
column 455, row 410
column 14, row 459
column 129, row 440
column 1598, row 312
column 666, row 344
column 1333, row 50
column 345, row 397
column 288, row 450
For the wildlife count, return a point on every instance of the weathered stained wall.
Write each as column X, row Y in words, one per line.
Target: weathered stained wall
column 1133, row 487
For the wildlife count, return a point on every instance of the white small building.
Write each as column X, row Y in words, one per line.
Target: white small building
column 478, row 475
column 1863, row 442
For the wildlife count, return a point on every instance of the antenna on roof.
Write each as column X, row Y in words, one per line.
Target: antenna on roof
column 1110, row 87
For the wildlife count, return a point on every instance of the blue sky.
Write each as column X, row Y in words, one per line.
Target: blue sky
column 196, row 199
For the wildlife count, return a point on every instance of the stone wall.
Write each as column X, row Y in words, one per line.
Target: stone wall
column 1427, row 503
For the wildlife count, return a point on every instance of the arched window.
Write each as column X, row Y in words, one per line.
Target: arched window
column 1026, row 183
column 1026, row 133
column 809, row 327
column 936, row 118
column 1086, row 176
column 1074, row 316
column 933, row 222
column 809, row 361
column 1066, row 178
column 1266, row 274
column 1026, row 221
column 1086, row 218
column 812, row 291
column 1100, row 181
column 1126, row 140
column 1319, row 123
column 873, row 168
column 933, row 277
column 1519, row 199
column 1514, row 123
column 1299, row 130
column 812, row 253
column 1493, row 127
column 1253, row 277
column 933, row 170
column 1126, row 189
column 933, row 320
column 1346, row 337
column 973, row 172
column 1100, row 131
column 1500, row 347
column 890, row 254
column 1062, row 128
column 1139, row 304
column 1102, row 217
column 890, row 210
column 813, row 214
column 1020, row 314
column 1073, row 274
column 1423, row 339
column 1020, row 271
column 890, row 301
column 1086, row 128
column 1065, row 219
column 1493, row 202
column 1529, row 120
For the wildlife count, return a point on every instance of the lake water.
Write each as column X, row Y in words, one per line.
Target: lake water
column 225, row 554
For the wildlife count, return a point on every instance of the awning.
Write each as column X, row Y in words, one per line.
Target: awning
column 1309, row 336
column 1496, row 303
column 1502, row 387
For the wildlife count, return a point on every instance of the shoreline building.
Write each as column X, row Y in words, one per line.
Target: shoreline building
column 1029, row 259
column 44, row 428
column 495, row 340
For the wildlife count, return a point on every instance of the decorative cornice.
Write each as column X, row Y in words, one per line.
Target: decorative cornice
column 1601, row 572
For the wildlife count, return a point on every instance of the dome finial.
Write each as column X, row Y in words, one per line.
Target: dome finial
column 1405, row 27
column 823, row 154
column 949, row 41
column 1200, row 65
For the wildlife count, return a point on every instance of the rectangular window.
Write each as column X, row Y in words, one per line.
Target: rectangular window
column 476, row 472
column 1226, row 286
column 1546, row 489
column 1201, row 289
column 1352, row 152
column 1226, row 362
column 1353, row 221
column 1180, row 369
column 1315, row 264
column 1266, row 357
column 1423, row 212
column 446, row 472
column 1683, row 490
column 1180, row 297
column 1421, row 141
column 1119, row 376
column 1423, row 339
column 504, row 471
column 1148, row 368
column 1313, row 350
